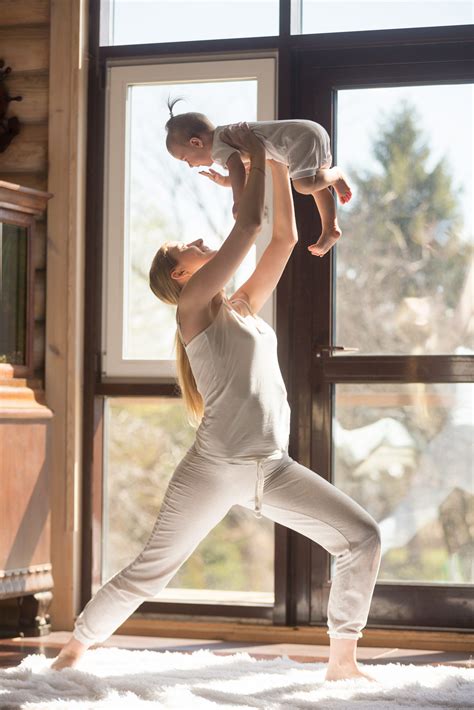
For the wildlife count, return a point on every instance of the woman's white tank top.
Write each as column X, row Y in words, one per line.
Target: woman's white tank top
column 235, row 364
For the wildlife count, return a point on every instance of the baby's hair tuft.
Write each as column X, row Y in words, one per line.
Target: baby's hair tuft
column 184, row 126
column 171, row 103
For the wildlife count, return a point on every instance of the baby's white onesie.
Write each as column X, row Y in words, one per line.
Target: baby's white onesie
column 302, row 145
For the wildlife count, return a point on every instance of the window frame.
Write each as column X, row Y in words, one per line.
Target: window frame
column 294, row 558
column 290, row 24
column 115, row 285
column 400, row 604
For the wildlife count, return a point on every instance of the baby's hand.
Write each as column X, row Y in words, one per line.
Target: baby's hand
column 217, row 178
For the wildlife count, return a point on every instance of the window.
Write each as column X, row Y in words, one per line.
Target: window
column 405, row 262
column 152, row 198
column 392, row 422
column 151, row 21
column 145, row 439
column 401, row 395
column 405, row 453
column 320, row 16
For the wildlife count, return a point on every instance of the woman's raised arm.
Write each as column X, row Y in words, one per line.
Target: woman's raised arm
column 260, row 285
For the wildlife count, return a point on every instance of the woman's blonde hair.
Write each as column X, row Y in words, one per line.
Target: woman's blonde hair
column 167, row 290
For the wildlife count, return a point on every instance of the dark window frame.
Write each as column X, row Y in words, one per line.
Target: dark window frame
column 298, row 563
column 400, row 605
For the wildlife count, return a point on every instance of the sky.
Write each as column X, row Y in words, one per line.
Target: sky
column 141, row 21
column 446, row 119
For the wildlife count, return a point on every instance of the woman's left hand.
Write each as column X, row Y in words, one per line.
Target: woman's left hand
column 239, row 136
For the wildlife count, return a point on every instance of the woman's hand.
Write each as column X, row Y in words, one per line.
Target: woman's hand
column 217, row 178
column 240, row 136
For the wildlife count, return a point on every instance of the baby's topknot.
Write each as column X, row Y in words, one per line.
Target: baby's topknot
column 184, row 126
column 171, row 103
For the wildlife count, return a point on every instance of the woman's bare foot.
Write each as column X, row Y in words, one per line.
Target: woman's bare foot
column 343, row 190
column 69, row 655
column 325, row 242
column 342, row 663
column 64, row 660
column 334, row 672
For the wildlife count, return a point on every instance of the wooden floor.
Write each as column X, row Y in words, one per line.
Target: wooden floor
column 12, row 651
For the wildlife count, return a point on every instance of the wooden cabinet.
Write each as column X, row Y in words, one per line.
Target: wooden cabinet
column 25, row 566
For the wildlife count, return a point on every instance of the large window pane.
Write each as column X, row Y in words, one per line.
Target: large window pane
column 168, row 201
column 144, row 441
column 150, row 21
column 351, row 15
column 406, row 454
column 150, row 197
column 405, row 275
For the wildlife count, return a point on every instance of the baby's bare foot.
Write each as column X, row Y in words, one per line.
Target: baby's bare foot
column 343, row 189
column 325, row 242
column 346, row 672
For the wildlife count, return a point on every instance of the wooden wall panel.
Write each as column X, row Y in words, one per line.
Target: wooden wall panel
column 24, row 45
column 39, row 245
column 24, row 12
column 65, row 288
column 33, row 87
column 25, row 48
column 38, row 181
column 38, row 345
column 40, row 294
column 28, row 152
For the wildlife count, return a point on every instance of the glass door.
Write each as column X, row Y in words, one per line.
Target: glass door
column 393, row 416
column 152, row 198
column 404, row 285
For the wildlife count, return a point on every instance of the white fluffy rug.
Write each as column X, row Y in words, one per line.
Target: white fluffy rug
column 115, row 679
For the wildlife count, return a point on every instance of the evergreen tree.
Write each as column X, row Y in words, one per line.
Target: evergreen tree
column 401, row 240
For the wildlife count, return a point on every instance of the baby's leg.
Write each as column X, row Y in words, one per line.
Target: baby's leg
column 325, row 177
column 317, row 185
column 331, row 231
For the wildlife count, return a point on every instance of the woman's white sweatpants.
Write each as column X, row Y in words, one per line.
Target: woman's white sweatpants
column 199, row 495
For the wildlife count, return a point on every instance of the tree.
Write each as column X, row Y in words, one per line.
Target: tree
column 402, row 266
column 402, row 240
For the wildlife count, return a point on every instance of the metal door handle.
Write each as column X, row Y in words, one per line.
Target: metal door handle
column 320, row 349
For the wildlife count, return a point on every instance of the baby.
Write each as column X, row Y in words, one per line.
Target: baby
column 302, row 145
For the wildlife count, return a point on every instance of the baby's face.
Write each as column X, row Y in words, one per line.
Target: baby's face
column 194, row 153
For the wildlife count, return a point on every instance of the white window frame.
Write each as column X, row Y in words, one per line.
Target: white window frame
column 119, row 79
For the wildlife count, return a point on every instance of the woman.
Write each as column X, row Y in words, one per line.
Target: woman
column 231, row 381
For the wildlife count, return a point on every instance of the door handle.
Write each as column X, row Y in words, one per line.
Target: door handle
column 321, row 350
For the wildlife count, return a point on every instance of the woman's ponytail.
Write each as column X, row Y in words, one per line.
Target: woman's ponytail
column 167, row 290
column 193, row 401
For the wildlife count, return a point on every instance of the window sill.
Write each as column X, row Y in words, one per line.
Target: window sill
column 213, row 596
